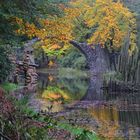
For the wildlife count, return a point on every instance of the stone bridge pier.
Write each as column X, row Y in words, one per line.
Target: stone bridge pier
column 97, row 57
column 98, row 62
column 26, row 67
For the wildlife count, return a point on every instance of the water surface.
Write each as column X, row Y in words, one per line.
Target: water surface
column 73, row 99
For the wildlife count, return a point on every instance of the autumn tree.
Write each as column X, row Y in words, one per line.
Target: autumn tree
column 12, row 13
column 104, row 23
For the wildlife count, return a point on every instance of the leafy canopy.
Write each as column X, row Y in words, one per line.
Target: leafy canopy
column 28, row 11
column 106, row 20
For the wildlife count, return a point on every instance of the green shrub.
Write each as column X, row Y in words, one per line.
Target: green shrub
column 73, row 59
column 79, row 133
column 5, row 64
column 9, row 87
column 25, row 123
column 80, row 63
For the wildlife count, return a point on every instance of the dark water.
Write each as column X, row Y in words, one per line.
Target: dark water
column 113, row 116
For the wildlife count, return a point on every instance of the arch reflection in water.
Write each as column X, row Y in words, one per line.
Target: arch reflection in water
column 61, row 90
column 112, row 116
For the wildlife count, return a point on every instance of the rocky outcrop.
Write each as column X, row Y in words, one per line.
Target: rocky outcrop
column 26, row 67
column 29, row 66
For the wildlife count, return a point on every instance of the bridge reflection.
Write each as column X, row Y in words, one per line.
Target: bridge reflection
column 113, row 115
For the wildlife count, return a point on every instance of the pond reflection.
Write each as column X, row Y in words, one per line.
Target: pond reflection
column 81, row 101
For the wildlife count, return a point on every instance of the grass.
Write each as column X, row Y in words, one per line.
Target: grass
column 8, row 87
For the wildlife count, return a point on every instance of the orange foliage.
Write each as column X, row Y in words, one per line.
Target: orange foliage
column 112, row 21
column 108, row 120
column 50, row 78
column 51, row 63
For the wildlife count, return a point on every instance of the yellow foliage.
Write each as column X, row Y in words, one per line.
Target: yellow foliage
column 112, row 21
column 51, row 96
column 51, row 63
column 108, row 120
column 54, row 95
column 50, row 78
column 55, row 46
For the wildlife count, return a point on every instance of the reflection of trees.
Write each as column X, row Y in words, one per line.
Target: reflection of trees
column 114, row 124
column 55, row 93
column 77, row 87
column 112, row 119
column 107, row 119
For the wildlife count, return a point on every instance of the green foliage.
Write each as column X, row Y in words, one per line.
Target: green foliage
column 25, row 109
column 26, row 123
column 23, row 122
column 115, row 76
column 81, row 31
column 79, row 133
column 5, row 65
column 70, row 73
column 74, row 59
column 29, row 11
column 8, row 87
column 74, row 81
column 80, row 63
column 8, row 11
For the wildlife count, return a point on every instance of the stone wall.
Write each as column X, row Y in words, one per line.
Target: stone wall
column 26, row 68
